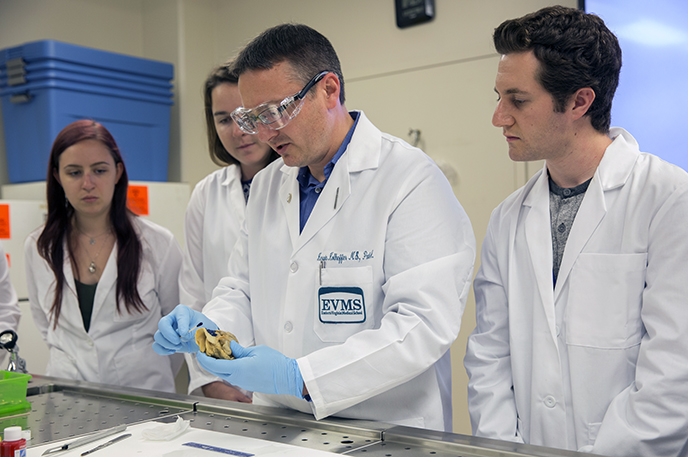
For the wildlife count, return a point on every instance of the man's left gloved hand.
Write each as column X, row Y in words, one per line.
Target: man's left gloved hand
column 258, row 369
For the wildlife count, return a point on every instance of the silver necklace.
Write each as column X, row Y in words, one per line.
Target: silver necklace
column 92, row 240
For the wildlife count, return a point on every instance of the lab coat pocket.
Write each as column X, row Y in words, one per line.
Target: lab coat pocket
column 605, row 300
column 61, row 365
column 342, row 302
column 142, row 368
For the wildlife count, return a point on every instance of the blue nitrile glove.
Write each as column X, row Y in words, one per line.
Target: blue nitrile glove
column 258, row 369
column 173, row 333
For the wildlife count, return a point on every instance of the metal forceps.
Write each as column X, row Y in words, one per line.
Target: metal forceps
column 85, row 440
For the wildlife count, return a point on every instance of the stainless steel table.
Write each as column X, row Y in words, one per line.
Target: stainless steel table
column 61, row 409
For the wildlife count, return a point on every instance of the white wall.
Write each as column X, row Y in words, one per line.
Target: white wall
column 437, row 77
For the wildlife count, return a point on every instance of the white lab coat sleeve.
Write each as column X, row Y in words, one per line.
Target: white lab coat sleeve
column 167, row 279
column 491, row 401
column 191, row 288
column 650, row 417
column 191, row 276
column 429, row 257
column 32, row 263
column 9, row 306
column 230, row 306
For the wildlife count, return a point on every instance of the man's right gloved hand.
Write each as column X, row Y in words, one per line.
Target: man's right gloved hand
column 174, row 333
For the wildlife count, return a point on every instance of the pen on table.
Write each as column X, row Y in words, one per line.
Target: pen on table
column 112, row 441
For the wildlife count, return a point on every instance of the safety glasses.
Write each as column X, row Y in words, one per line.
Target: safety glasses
column 271, row 115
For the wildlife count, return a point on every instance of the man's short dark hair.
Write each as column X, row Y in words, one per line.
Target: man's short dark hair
column 575, row 50
column 307, row 50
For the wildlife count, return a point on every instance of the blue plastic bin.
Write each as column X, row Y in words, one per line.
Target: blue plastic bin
column 45, row 85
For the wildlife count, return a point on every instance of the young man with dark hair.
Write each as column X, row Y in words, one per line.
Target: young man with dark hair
column 581, row 340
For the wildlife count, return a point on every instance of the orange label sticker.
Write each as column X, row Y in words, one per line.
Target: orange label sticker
column 137, row 200
column 5, row 221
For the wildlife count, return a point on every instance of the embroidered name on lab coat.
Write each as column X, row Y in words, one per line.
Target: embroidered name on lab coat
column 341, row 305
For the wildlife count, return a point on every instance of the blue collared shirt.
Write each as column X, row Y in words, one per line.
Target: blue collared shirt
column 309, row 187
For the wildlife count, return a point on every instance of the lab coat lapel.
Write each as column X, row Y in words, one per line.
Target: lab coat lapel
column 107, row 281
column 331, row 199
column 362, row 153
column 236, row 192
column 539, row 239
column 613, row 172
column 590, row 214
column 69, row 285
column 289, row 199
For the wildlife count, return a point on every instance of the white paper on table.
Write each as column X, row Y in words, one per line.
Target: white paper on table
column 136, row 445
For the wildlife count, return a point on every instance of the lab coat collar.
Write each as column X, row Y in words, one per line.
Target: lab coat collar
column 362, row 153
column 612, row 172
column 232, row 173
column 618, row 160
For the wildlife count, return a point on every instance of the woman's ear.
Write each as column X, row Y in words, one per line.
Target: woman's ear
column 120, row 170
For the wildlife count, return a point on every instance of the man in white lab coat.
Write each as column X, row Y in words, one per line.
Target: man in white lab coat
column 582, row 326
column 347, row 287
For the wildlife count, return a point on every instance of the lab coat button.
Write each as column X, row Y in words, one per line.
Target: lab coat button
column 294, row 267
column 288, row 327
column 550, row 402
column 558, row 330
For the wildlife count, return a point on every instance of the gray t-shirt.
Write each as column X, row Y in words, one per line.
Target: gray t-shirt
column 563, row 206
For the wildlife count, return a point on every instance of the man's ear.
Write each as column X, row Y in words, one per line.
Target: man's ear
column 332, row 89
column 581, row 101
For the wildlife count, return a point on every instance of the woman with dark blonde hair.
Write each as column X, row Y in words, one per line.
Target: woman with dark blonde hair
column 99, row 277
column 216, row 210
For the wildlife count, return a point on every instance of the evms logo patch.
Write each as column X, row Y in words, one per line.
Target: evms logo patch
column 341, row 305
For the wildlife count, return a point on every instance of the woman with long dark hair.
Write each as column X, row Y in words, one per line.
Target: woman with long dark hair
column 99, row 277
column 216, row 210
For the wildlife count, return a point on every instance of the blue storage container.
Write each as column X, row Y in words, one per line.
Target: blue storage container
column 45, row 85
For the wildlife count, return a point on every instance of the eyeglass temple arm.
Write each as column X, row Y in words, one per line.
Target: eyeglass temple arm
column 310, row 85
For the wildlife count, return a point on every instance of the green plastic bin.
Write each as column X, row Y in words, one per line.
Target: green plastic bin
column 13, row 393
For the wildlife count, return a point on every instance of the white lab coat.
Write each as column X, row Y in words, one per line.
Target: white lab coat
column 9, row 306
column 599, row 363
column 118, row 347
column 212, row 223
column 386, row 222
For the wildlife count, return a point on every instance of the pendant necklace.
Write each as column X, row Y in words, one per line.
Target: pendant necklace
column 92, row 240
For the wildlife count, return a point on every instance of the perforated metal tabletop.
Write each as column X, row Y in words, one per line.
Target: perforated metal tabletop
column 61, row 409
